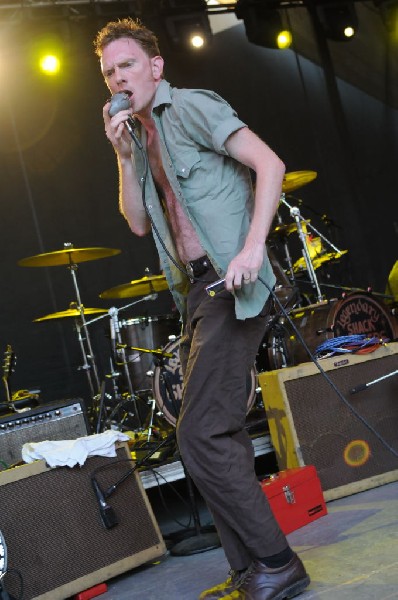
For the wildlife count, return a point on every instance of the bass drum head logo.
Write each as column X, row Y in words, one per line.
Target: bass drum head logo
column 362, row 314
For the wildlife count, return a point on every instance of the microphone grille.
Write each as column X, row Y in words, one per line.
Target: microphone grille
column 119, row 101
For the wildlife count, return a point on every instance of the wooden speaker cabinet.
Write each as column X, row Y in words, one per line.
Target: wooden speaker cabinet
column 51, row 523
column 311, row 425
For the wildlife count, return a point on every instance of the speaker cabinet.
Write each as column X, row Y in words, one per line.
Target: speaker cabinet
column 64, row 420
column 51, row 523
column 311, row 425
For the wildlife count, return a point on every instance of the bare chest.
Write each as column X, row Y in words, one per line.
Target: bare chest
column 185, row 237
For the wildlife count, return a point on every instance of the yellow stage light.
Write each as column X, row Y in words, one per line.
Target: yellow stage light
column 50, row 64
column 284, row 39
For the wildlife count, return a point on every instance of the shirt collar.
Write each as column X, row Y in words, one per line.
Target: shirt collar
column 162, row 95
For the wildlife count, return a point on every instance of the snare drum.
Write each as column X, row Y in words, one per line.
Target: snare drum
column 353, row 314
column 170, row 407
column 150, row 333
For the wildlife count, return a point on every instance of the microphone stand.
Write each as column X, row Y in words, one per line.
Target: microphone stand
column 363, row 386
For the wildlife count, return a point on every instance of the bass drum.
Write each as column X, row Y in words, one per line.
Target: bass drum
column 351, row 315
column 170, row 407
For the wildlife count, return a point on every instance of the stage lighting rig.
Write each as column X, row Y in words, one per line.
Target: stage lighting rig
column 263, row 24
column 186, row 23
column 339, row 20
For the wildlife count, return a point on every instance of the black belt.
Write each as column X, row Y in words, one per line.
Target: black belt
column 198, row 267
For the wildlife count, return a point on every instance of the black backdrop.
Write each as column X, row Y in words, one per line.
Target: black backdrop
column 58, row 183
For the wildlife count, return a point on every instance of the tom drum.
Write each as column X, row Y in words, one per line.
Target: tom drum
column 150, row 333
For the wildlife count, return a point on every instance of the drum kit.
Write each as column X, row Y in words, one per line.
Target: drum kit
column 356, row 311
column 144, row 360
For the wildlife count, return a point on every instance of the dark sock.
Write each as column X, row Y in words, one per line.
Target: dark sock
column 278, row 560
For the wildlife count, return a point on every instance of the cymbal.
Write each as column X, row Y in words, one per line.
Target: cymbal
column 67, row 256
column 318, row 261
column 296, row 179
column 71, row 312
column 285, row 229
column 140, row 287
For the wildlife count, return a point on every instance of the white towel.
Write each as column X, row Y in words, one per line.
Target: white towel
column 71, row 452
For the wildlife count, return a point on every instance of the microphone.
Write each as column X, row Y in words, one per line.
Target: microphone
column 359, row 388
column 121, row 101
column 108, row 515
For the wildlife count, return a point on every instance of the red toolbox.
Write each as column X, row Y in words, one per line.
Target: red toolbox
column 295, row 496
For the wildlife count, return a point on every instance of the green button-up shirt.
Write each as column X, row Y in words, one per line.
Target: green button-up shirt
column 213, row 188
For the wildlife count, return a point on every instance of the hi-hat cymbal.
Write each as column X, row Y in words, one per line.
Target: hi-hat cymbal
column 285, row 229
column 139, row 287
column 68, row 256
column 71, row 312
column 296, row 179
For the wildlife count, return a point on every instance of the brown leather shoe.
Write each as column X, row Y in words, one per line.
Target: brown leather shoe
column 223, row 590
column 263, row 583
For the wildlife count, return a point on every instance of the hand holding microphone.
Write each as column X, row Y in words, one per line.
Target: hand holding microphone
column 121, row 101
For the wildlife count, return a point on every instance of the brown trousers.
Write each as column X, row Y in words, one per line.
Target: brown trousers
column 217, row 351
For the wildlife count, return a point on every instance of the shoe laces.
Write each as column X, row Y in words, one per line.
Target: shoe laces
column 238, row 577
column 246, row 575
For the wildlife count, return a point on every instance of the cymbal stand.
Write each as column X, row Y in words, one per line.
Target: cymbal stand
column 89, row 364
column 295, row 214
column 119, row 354
column 286, row 250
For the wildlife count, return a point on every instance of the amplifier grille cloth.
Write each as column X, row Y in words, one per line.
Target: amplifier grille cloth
column 59, row 536
column 325, row 426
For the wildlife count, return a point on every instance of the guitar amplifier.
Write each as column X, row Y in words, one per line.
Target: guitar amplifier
column 311, row 425
column 56, row 543
column 64, row 420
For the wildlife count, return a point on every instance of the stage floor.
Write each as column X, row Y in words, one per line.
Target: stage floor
column 350, row 554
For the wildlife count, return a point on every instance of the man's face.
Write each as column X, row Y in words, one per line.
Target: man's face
column 127, row 68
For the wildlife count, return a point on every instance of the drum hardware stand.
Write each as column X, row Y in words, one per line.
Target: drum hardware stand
column 154, row 353
column 295, row 214
column 119, row 356
column 88, row 358
column 199, row 541
column 286, row 251
column 84, row 340
column 152, row 402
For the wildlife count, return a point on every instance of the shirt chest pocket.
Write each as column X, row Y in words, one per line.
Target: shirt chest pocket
column 185, row 162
